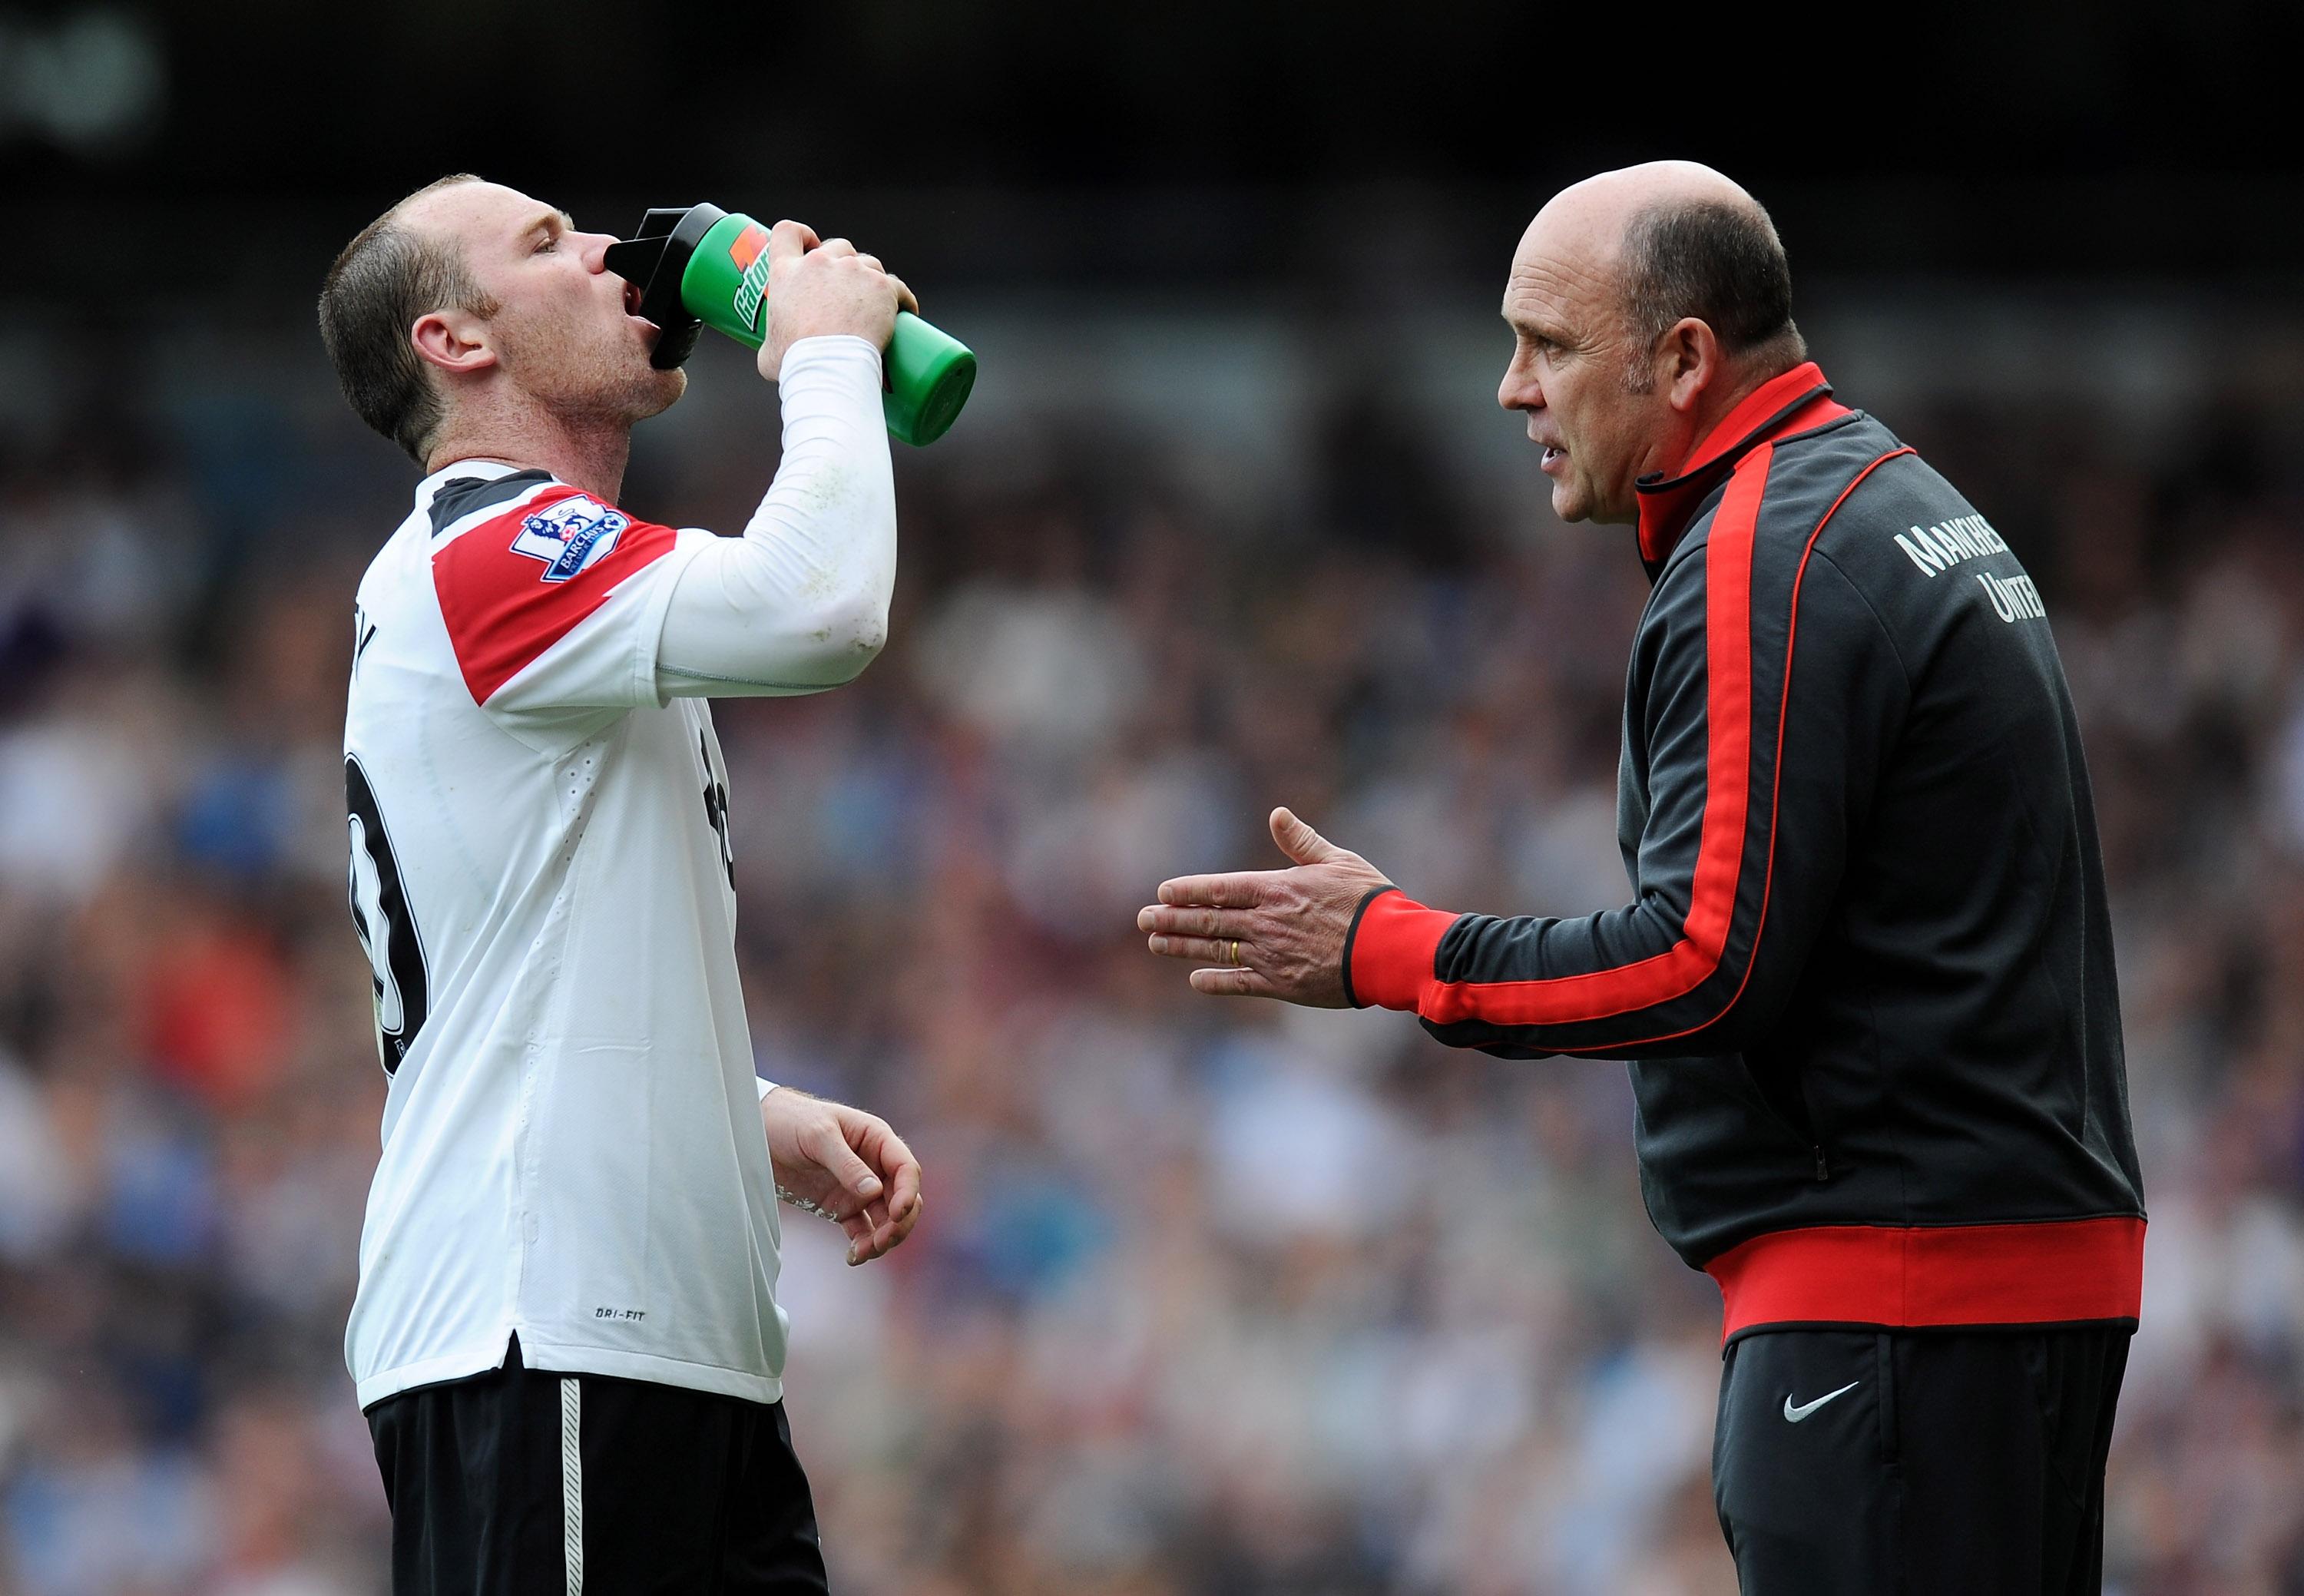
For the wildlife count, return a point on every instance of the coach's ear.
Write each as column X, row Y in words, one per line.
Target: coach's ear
column 1688, row 358
column 453, row 341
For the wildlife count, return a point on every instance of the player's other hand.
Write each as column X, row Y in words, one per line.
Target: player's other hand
column 1267, row 933
column 846, row 1162
column 819, row 287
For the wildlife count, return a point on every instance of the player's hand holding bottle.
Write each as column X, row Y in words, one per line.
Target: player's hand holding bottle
column 822, row 287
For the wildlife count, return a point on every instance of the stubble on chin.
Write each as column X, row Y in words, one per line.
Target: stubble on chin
column 614, row 392
column 663, row 391
column 606, row 384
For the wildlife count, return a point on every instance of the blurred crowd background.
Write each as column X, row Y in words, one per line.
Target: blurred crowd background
column 1210, row 1299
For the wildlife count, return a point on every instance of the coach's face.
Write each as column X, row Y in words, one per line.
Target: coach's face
column 565, row 329
column 1574, row 365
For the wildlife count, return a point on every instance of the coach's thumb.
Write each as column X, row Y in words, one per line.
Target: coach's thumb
column 1298, row 841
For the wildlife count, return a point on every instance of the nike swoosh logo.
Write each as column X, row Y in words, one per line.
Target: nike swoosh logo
column 1797, row 1413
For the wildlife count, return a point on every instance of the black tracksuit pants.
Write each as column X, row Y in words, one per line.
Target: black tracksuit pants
column 1885, row 1463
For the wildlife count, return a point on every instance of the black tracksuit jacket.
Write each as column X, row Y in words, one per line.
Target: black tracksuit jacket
column 1866, row 983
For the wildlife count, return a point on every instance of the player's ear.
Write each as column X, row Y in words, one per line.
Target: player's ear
column 452, row 341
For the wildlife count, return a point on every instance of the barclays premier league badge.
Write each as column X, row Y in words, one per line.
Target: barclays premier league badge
column 570, row 535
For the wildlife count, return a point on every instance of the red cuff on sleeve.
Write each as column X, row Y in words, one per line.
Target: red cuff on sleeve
column 1393, row 946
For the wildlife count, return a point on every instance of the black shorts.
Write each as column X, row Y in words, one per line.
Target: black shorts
column 1917, row 1463
column 524, row 1483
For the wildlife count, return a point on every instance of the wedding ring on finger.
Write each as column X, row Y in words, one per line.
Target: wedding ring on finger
column 1235, row 959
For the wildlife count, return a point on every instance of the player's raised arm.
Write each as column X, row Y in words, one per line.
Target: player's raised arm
column 799, row 603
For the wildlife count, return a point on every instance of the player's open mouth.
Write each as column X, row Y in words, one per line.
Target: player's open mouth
column 650, row 332
column 1553, row 453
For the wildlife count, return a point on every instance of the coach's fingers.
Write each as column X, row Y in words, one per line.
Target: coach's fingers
column 1244, row 890
column 836, row 247
column 1203, row 950
column 1222, row 982
column 1193, row 919
column 905, row 299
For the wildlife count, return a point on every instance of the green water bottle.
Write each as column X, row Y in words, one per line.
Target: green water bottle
column 701, row 267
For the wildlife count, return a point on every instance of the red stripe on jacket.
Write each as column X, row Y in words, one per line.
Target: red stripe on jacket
column 2053, row 1272
column 502, row 614
column 1393, row 953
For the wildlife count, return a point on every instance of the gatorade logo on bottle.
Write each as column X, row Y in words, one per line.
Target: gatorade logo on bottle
column 749, row 252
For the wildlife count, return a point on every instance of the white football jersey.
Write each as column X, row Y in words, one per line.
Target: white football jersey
column 541, row 876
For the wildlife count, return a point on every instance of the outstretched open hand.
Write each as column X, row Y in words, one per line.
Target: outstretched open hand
column 1267, row 933
column 846, row 1165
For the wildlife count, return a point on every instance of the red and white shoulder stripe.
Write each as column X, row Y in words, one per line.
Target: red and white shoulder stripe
column 516, row 582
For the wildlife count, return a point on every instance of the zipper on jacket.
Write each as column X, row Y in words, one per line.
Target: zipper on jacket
column 1823, row 1168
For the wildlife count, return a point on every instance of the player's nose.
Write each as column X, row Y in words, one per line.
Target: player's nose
column 592, row 249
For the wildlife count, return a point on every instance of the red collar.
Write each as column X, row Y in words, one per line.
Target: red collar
column 1795, row 402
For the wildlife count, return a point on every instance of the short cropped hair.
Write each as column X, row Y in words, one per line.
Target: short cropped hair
column 1719, row 262
column 384, row 280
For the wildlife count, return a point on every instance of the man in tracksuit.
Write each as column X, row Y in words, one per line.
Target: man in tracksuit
column 1866, row 985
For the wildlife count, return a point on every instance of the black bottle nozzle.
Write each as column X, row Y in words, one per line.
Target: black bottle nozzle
column 654, row 259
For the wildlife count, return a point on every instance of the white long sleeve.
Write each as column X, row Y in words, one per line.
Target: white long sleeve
column 799, row 603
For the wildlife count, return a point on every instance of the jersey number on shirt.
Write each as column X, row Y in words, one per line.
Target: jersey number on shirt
column 387, row 930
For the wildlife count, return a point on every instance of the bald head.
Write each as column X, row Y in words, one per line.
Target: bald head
column 1663, row 281
column 1676, row 240
column 1604, row 203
